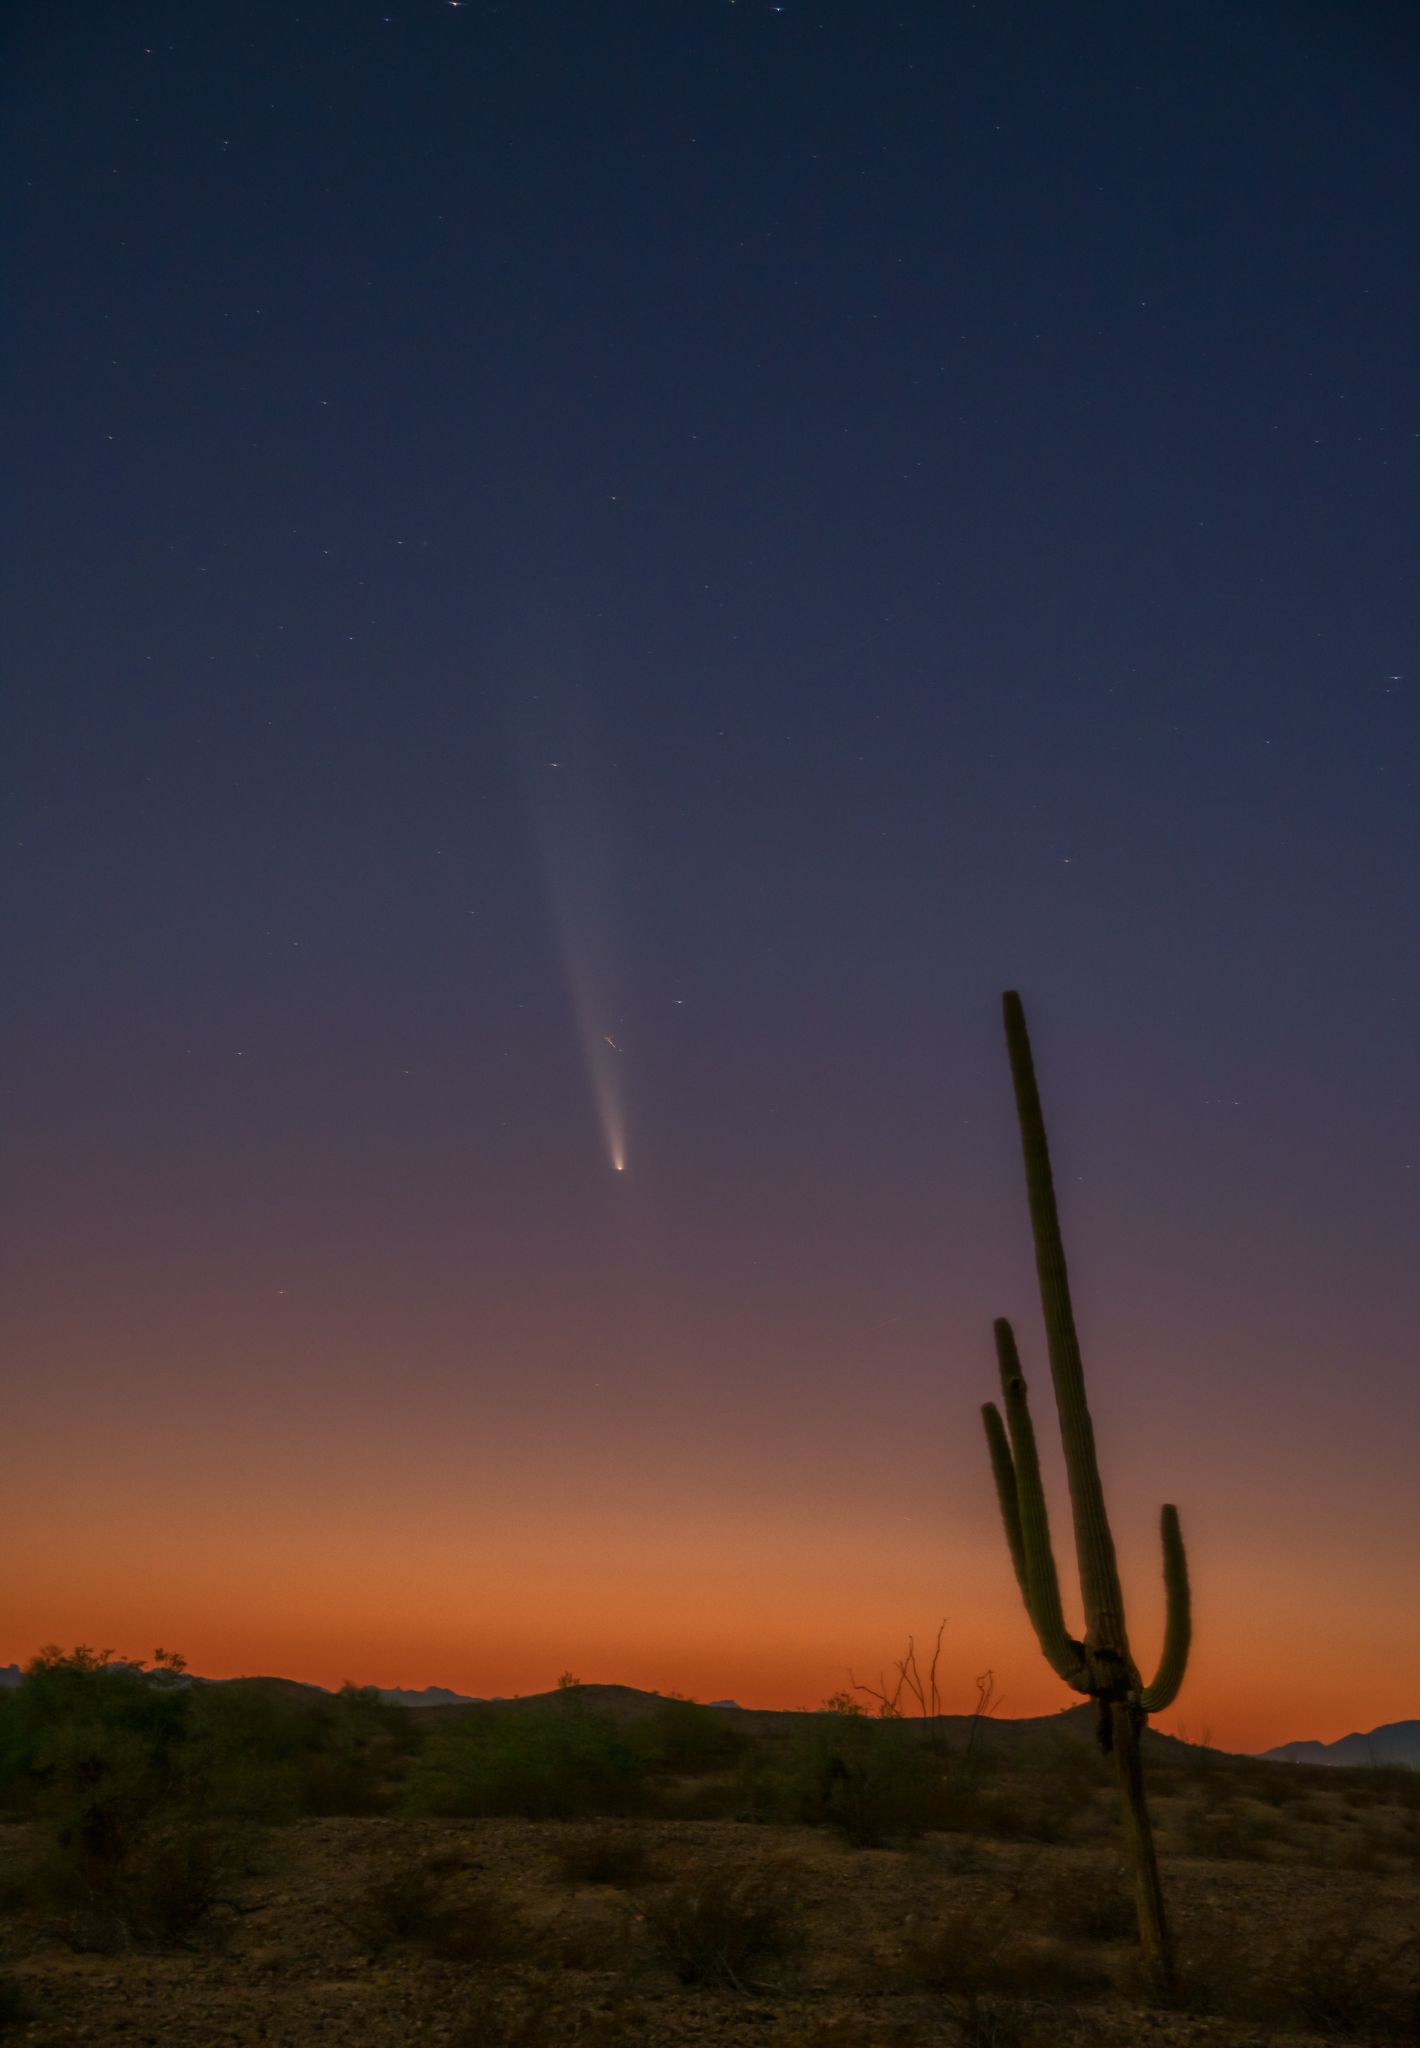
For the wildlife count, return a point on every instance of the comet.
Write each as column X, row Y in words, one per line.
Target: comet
column 572, row 824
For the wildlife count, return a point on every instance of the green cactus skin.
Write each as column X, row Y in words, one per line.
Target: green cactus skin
column 1101, row 1666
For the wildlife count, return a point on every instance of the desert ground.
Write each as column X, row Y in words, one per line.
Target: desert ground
column 789, row 1881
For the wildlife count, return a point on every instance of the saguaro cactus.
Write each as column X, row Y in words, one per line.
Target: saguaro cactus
column 1100, row 1664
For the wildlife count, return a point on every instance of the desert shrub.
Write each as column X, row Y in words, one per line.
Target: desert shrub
column 104, row 1757
column 508, row 2016
column 1233, row 1830
column 1335, row 1978
column 976, row 1951
column 399, row 1905
column 713, row 1796
column 406, row 1905
column 584, row 1941
column 476, row 1926
column 94, row 1747
column 552, row 1766
column 155, row 1889
column 1041, row 1806
column 1270, row 1784
column 91, row 1746
column 532, row 2014
column 1360, row 1855
column 15, row 2008
column 991, row 2023
column 272, row 1751
column 1344, row 1981
column 853, row 2030
column 1084, row 1904
column 614, row 1856
column 719, row 1926
column 683, row 1736
column 874, row 1781
column 176, row 1873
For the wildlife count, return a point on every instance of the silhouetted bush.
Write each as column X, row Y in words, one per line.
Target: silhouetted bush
column 874, row 1781
column 557, row 1765
column 682, row 1736
column 101, row 1755
column 273, row 1751
column 92, row 1747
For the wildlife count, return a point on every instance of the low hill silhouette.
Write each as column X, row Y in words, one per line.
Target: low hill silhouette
column 1394, row 1742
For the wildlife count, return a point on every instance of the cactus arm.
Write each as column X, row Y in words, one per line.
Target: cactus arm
column 1178, row 1621
column 1005, row 1473
column 1094, row 1544
column 1041, row 1585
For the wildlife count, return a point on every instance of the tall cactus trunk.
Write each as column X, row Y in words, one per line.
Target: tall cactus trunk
column 1154, row 1939
column 1100, row 1664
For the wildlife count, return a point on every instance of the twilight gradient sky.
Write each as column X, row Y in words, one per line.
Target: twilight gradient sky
column 744, row 530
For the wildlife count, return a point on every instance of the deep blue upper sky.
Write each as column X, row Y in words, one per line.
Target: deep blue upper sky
column 940, row 482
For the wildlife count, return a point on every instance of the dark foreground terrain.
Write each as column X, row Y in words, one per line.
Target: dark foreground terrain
column 602, row 1867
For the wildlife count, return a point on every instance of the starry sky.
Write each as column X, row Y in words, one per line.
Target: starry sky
column 586, row 585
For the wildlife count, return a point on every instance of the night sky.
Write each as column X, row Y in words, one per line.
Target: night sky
column 586, row 585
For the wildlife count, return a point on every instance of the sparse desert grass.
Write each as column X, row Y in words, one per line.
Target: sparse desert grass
column 397, row 1905
column 15, row 2007
column 1042, row 1808
column 1235, row 1829
column 408, row 1905
column 722, row 1925
column 979, row 1950
column 1345, row 1981
column 1081, row 1903
column 993, row 2023
column 535, row 2012
column 1337, row 1977
column 854, row 2030
column 618, row 1856
column 596, row 1943
column 784, row 1935
column 157, row 1889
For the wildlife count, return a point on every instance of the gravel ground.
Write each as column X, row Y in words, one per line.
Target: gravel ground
column 483, row 1941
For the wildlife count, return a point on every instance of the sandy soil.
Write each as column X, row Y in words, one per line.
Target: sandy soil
column 295, row 1955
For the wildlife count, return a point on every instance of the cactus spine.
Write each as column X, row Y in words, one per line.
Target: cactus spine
column 1100, row 1665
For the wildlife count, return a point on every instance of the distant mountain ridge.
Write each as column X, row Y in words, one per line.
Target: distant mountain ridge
column 1395, row 1742
column 427, row 1696
column 398, row 1695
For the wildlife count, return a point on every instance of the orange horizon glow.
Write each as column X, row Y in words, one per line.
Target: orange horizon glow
column 395, row 1576
column 679, row 1439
